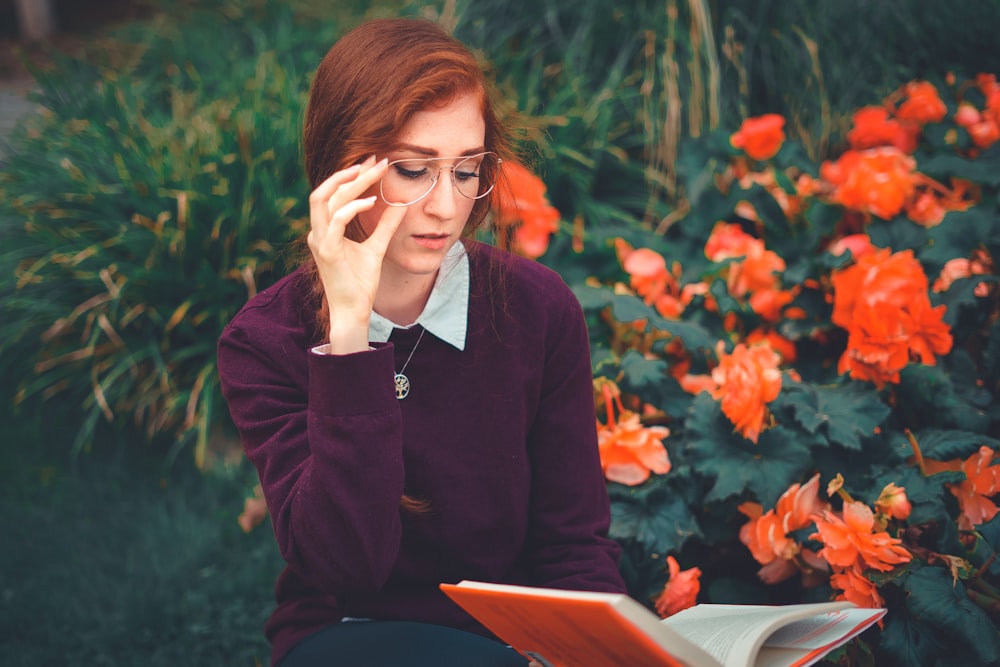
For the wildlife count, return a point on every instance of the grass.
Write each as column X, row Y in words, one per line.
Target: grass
column 108, row 561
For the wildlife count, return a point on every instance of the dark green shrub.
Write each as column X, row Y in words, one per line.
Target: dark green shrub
column 141, row 208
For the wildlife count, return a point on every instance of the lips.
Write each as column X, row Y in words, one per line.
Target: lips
column 432, row 241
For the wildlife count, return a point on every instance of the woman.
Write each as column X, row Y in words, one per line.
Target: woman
column 479, row 461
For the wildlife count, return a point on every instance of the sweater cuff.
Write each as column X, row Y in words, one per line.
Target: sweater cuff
column 352, row 384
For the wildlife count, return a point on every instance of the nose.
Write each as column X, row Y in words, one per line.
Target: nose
column 441, row 200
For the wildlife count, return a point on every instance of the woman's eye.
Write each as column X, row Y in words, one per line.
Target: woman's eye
column 465, row 174
column 413, row 172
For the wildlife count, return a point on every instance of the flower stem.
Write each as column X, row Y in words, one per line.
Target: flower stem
column 916, row 452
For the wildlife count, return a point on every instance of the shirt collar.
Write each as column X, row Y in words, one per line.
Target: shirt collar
column 446, row 314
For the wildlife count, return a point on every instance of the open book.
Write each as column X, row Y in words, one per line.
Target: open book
column 579, row 629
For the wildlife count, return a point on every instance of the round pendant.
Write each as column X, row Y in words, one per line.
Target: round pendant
column 402, row 386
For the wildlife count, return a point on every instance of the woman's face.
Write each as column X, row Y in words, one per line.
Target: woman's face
column 434, row 224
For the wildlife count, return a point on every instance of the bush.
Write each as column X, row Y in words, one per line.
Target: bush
column 141, row 208
column 797, row 384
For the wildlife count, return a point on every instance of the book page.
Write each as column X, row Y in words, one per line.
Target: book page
column 818, row 636
column 732, row 634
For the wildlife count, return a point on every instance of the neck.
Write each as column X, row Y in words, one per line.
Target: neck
column 401, row 299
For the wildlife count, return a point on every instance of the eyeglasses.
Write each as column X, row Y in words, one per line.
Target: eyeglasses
column 410, row 180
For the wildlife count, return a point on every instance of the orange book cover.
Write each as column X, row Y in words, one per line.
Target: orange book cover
column 574, row 630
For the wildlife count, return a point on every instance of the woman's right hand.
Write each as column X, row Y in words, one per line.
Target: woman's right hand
column 349, row 270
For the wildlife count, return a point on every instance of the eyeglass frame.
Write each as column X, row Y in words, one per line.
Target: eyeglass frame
column 459, row 160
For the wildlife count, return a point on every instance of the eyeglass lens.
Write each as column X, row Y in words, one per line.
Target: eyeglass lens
column 408, row 181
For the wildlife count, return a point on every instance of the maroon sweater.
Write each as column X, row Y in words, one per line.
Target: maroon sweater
column 499, row 439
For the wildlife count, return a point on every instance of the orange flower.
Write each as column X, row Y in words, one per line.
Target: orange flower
column 523, row 206
column 695, row 384
column 756, row 271
column 893, row 502
column 790, row 204
column 856, row 588
column 927, row 333
column 877, row 277
column 873, row 127
column 955, row 269
column 784, row 347
column 883, row 303
column 922, row 105
column 630, row 451
column 858, row 244
column 681, row 590
column 982, row 125
column 877, row 345
column 729, row 241
column 926, row 210
column 760, row 137
column 748, row 379
column 934, row 200
column 651, row 280
column 877, row 181
column 770, row 303
column 766, row 534
column 756, row 275
column 982, row 481
column 850, row 540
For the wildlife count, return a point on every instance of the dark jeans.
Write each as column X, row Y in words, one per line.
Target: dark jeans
column 399, row 644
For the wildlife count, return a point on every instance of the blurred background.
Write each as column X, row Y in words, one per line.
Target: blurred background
column 150, row 182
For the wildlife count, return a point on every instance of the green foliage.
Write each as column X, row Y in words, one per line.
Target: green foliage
column 687, row 323
column 142, row 208
column 600, row 87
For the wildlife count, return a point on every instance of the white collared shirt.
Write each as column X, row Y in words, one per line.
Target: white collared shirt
column 446, row 314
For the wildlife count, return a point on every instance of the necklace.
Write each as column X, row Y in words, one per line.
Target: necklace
column 403, row 382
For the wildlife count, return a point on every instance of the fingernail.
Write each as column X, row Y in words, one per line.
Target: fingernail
column 370, row 160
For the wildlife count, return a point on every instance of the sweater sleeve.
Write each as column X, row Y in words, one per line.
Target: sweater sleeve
column 570, row 513
column 325, row 435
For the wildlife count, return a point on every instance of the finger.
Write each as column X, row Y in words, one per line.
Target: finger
column 346, row 213
column 319, row 213
column 386, row 228
column 365, row 182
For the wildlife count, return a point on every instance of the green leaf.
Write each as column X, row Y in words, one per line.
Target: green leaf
column 930, row 399
column 936, row 599
column 843, row 414
column 654, row 515
column 908, row 641
column 898, row 234
column 965, row 309
column 947, row 444
column 945, row 165
column 738, row 466
column 983, row 552
column 694, row 336
column 649, row 379
column 957, row 236
column 629, row 308
column 592, row 298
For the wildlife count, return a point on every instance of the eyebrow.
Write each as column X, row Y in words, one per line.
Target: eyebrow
column 429, row 152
